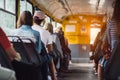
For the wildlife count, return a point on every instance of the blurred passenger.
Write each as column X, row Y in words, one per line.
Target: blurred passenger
column 38, row 17
column 57, row 50
column 12, row 54
column 65, row 49
column 24, row 25
column 102, row 60
column 113, row 36
column 113, row 26
column 55, row 40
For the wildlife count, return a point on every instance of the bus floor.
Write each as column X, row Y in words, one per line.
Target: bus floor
column 80, row 71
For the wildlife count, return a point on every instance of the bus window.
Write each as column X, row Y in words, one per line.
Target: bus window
column 2, row 4
column 24, row 5
column 7, row 15
column 8, row 20
column 10, row 5
column 93, row 34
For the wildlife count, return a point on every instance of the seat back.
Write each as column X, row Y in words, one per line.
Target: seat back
column 32, row 52
column 19, row 47
column 26, row 49
column 26, row 69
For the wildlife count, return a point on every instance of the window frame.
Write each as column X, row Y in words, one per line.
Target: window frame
column 26, row 6
column 10, row 12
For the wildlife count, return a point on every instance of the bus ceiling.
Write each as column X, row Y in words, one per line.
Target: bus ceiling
column 61, row 9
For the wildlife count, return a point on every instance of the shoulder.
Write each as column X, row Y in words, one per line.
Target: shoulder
column 36, row 32
column 16, row 31
column 36, row 27
column 45, row 32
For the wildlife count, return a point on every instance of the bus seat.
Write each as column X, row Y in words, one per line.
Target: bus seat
column 32, row 52
column 25, row 69
column 19, row 47
column 27, row 49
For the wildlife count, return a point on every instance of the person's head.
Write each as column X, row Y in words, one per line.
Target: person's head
column 25, row 18
column 38, row 17
column 49, row 27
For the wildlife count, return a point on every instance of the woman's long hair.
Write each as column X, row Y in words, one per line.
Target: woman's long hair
column 25, row 18
column 49, row 27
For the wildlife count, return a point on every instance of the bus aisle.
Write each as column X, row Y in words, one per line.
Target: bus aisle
column 79, row 71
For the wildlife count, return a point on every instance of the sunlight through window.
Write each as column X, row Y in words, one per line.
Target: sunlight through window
column 93, row 34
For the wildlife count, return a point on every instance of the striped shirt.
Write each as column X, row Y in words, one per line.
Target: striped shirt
column 112, row 34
